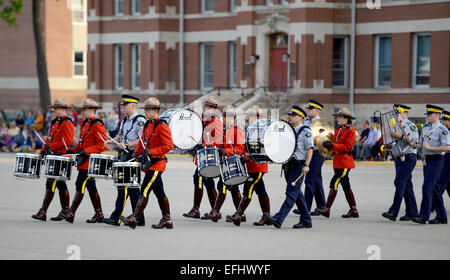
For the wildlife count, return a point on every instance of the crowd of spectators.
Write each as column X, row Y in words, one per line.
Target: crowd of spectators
column 16, row 133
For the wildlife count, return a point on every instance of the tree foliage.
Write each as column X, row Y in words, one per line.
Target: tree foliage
column 8, row 11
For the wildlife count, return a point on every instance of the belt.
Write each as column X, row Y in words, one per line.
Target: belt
column 407, row 155
column 432, row 156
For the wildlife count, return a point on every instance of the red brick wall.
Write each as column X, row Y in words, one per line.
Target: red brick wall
column 364, row 58
column 440, row 59
column 401, row 63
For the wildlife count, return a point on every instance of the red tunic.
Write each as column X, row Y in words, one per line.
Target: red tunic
column 254, row 167
column 57, row 133
column 343, row 147
column 159, row 144
column 90, row 142
column 234, row 135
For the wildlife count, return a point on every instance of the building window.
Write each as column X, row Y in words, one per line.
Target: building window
column 78, row 64
column 136, row 64
column 207, row 65
column 421, row 60
column 233, row 64
column 119, row 7
column 118, row 72
column 284, row 2
column 340, row 50
column 383, row 61
column 78, row 11
column 207, row 6
column 233, row 5
column 269, row 2
column 136, row 7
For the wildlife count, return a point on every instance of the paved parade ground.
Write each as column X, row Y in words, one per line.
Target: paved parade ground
column 370, row 236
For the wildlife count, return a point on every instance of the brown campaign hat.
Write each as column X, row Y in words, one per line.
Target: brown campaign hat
column 59, row 103
column 345, row 112
column 151, row 103
column 89, row 104
column 211, row 100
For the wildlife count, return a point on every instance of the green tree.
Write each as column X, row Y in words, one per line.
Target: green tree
column 8, row 13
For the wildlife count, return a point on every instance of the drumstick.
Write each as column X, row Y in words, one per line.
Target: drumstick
column 64, row 142
column 295, row 182
column 143, row 146
column 40, row 138
column 207, row 134
column 115, row 142
column 192, row 138
column 229, row 142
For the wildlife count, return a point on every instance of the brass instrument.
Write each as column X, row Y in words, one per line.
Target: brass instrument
column 322, row 131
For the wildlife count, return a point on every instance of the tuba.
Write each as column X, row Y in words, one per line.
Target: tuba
column 322, row 131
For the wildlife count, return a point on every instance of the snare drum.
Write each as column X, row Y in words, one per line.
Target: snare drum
column 58, row 167
column 101, row 166
column 270, row 141
column 186, row 127
column 208, row 160
column 234, row 171
column 127, row 174
column 27, row 166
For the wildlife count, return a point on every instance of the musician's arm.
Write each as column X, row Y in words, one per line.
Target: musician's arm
column 443, row 148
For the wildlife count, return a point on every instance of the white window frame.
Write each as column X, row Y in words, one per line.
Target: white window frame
column 118, row 48
column 83, row 64
column 346, row 50
column 377, row 56
column 204, row 11
column 116, row 7
column 232, row 47
column 79, row 7
column 202, row 66
column 136, row 58
column 414, row 64
column 133, row 7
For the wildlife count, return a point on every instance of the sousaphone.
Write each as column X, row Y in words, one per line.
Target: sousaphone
column 322, row 131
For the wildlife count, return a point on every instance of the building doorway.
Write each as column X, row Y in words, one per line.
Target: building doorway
column 279, row 59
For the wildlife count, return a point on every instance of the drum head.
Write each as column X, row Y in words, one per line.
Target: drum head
column 187, row 129
column 279, row 141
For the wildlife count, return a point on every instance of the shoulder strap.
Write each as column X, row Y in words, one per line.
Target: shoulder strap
column 301, row 129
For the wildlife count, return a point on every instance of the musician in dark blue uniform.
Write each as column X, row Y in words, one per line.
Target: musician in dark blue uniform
column 434, row 142
column 405, row 161
column 128, row 138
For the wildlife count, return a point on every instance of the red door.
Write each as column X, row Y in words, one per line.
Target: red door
column 278, row 62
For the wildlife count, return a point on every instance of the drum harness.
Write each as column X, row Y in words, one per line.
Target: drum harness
column 145, row 162
column 121, row 152
column 84, row 157
column 60, row 121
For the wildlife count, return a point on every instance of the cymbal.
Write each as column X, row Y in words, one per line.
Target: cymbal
column 320, row 126
column 318, row 142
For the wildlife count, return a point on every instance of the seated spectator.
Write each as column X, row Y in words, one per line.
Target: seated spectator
column 370, row 142
column 13, row 131
column 20, row 121
column 39, row 122
column 3, row 134
column 29, row 121
column 18, row 141
column 363, row 138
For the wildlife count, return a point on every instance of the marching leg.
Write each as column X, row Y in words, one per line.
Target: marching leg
column 70, row 216
column 42, row 213
column 64, row 199
column 166, row 221
column 96, row 202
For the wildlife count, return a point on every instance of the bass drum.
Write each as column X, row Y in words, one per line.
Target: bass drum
column 270, row 141
column 186, row 127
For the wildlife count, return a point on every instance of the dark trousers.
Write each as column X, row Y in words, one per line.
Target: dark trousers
column 122, row 194
column 404, row 187
column 441, row 186
column 255, row 183
column 222, row 188
column 294, row 194
column 200, row 181
column 52, row 184
column 313, row 182
column 153, row 182
column 431, row 172
column 83, row 182
column 340, row 177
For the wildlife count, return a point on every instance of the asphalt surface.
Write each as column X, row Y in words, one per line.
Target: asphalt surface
column 370, row 236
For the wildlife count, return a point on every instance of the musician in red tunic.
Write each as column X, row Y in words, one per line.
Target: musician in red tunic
column 342, row 147
column 157, row 140
column 91, row 141
column 212, row 136
column 59, row 139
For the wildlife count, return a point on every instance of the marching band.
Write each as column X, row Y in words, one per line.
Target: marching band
column 236, row 156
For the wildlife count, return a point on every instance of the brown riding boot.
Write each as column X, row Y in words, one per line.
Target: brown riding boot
column 325, row 211
column 42, row 213
column 195, row 211
column 132, row 220
column 215, row 212
column 212, row 196
column 96, row 202
column 237, row 217
column 165, row 222
column 264, row 202
column 70, row 215
column 64, row 199
column 353, row 212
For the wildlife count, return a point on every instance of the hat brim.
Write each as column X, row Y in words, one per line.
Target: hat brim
column 53, row 106
column 344, row 115
column 89, row 107
column 150, row 107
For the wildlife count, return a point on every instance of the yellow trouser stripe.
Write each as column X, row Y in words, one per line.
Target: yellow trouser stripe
column 254, row 183
column 151, row 183
column 84, row 185
column 200, row 183
column 124, row 201
column 54, row 185
column 339, row 179
column 224, row 189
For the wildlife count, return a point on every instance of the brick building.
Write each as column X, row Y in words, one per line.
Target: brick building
column 65, row 32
